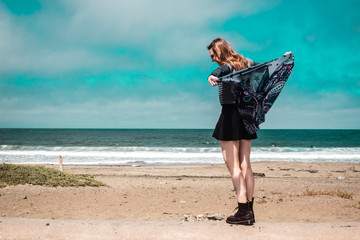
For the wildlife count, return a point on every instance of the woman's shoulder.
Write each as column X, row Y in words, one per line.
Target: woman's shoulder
column 226, row 66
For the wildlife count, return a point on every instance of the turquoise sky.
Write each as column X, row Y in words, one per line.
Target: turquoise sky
column 144, row 64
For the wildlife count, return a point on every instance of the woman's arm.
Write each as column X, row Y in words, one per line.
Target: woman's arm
column 219, row 72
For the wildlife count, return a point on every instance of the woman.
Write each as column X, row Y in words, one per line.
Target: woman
column 234, row 140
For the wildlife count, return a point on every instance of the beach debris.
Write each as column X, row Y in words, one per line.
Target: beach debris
column 203, row 217
column 61, row 163
column 259, row 174
column 308, row 170
column 182, row 201
column 33, row 207
column 187, row 218
column 340, row 177
column 262, row 201
column 286, row 169
column 200, row 217
column 216, row 216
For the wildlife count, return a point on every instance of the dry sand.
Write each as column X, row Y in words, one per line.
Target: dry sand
column 292, row 201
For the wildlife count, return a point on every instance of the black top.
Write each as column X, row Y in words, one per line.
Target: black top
column 226, row 95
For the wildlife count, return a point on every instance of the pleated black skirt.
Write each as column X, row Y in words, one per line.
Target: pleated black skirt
column 230, row 126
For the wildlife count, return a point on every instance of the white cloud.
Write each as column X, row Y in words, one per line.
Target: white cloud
column 24, row 50
column 71, row 35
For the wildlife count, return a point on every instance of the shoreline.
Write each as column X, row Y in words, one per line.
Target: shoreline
column 54, row 165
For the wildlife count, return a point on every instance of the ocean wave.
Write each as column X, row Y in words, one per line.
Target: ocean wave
column 5, row 148
column 165, row 155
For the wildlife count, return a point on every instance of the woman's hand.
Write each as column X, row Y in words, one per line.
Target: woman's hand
column 287, row 53
column 212, row 80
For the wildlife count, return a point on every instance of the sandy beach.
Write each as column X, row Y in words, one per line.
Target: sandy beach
column 292, row 200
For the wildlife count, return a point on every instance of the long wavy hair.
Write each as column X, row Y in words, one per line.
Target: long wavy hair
column 225, row 54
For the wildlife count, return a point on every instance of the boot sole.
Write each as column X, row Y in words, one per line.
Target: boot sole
column 244, row 222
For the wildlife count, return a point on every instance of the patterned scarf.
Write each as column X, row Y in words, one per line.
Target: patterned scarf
column 256, row 88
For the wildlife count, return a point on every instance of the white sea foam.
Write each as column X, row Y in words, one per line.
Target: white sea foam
column 166, row 155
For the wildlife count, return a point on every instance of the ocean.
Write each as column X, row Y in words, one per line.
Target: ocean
column 159, row 147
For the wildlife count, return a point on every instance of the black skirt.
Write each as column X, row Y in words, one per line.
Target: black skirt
column 230, row 126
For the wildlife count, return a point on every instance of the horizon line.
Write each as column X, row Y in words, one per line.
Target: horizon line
column 95, row 128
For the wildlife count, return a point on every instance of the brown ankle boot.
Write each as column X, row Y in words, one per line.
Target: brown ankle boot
column 243, row 216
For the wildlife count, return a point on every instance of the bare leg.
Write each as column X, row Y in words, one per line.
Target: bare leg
column 245, row 165
column 230, row 151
